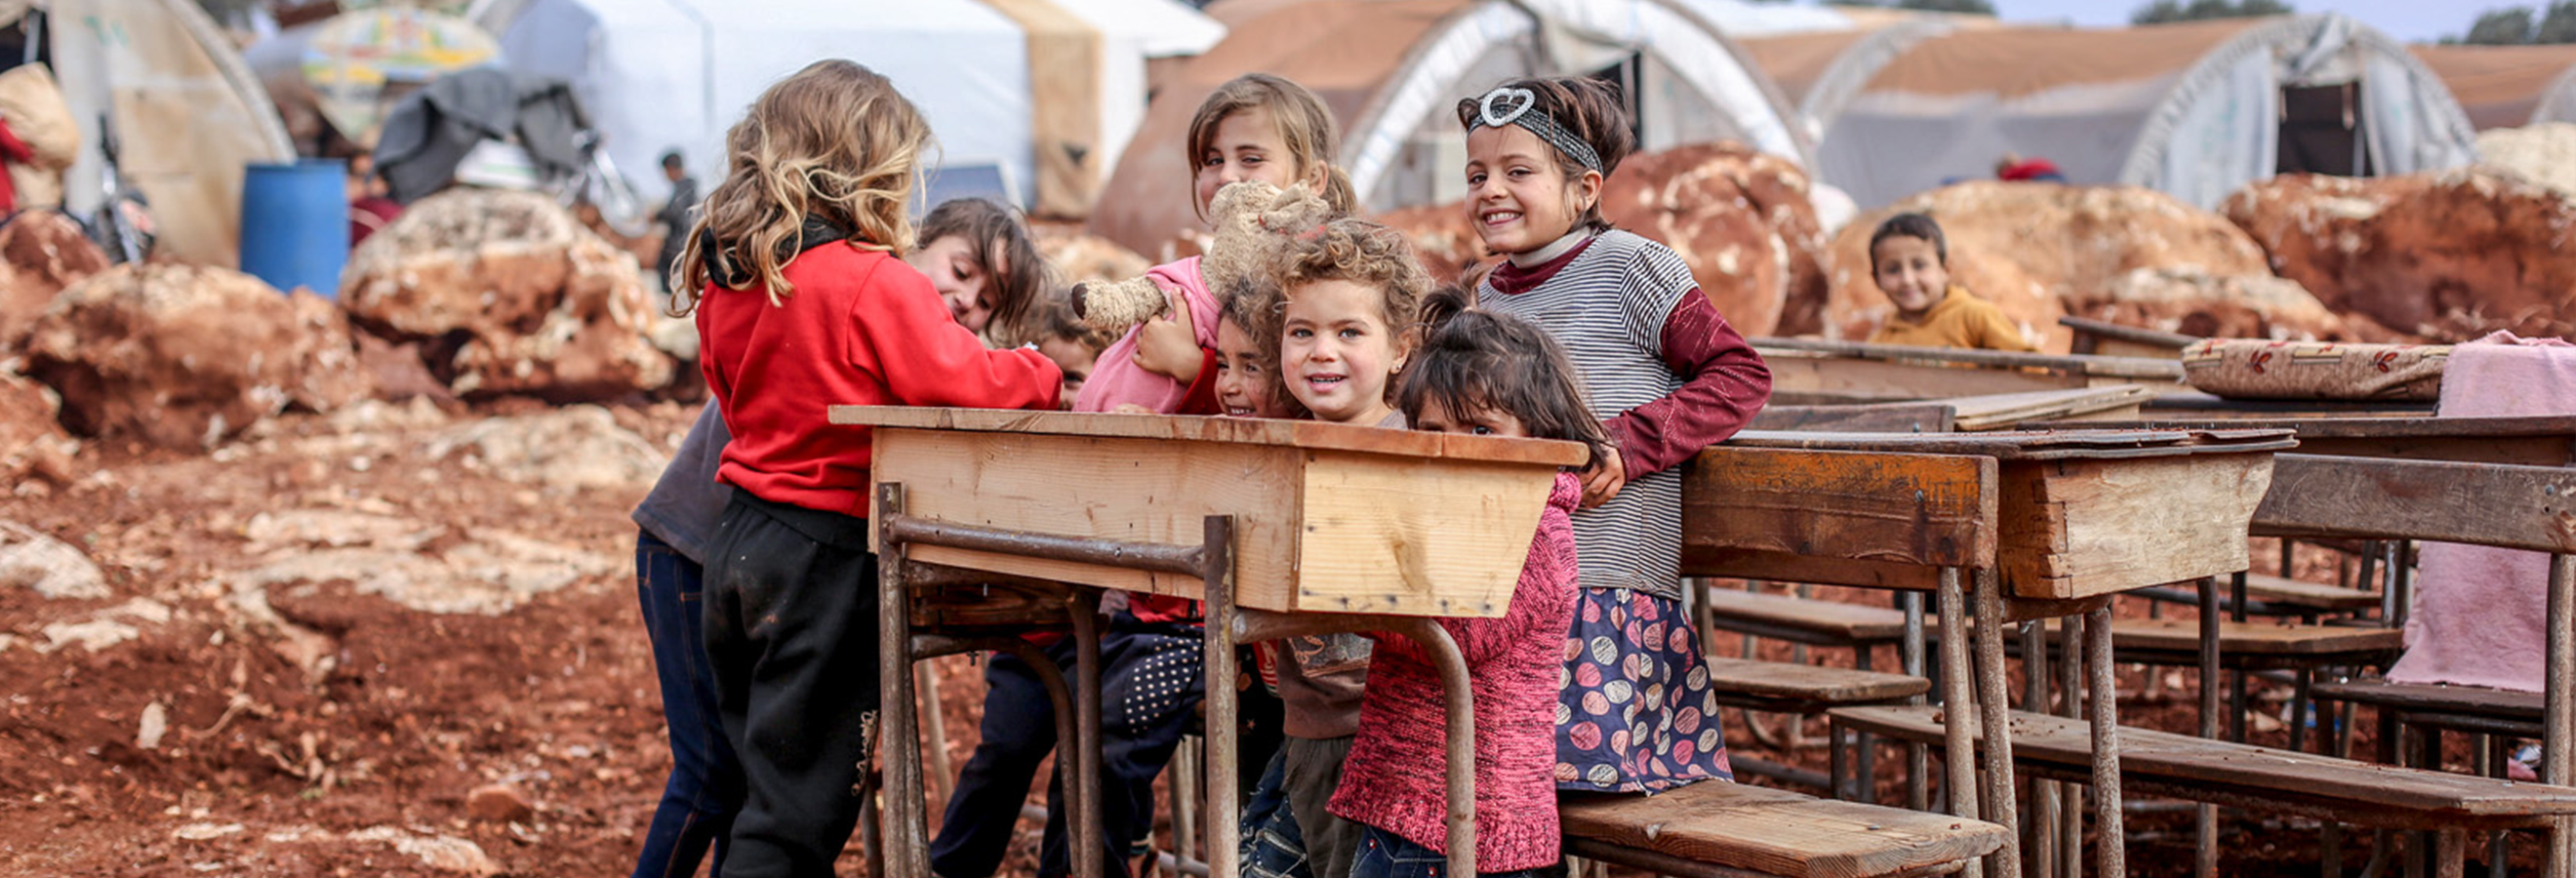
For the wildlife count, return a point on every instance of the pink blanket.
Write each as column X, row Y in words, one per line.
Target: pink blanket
column 2479, row 612
column 1116, row 380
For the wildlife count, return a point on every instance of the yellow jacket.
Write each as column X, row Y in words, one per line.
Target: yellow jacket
column 1959, row 320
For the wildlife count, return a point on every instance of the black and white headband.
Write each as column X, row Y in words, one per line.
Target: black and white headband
column 1512, row 106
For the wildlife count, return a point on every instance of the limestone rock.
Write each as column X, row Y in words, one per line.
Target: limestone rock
column 499, row 803
column 574, row 448
column 176, row 355
column 41, row 252
column 32, row 441
column 2544, row 154
column 508, row 294
column 2440, row 257
column 2191, row 301
column 332, row 375
column 32, row 559
column 2038, row 249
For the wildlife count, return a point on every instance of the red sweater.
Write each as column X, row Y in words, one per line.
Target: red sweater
column 1397, row 776
column 861, row 328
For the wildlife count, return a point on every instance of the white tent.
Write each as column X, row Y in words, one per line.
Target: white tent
column 664, row 74
column 2196, row 110
column 2507, row 86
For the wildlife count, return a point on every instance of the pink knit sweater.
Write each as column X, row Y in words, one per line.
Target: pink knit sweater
column 1396, row 778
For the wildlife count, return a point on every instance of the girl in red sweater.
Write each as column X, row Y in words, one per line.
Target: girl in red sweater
column 1488, row 374
column 802, row 301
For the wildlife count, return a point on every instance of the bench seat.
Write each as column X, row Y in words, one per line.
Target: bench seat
column 1788, row 687
column 1804, row 620
column 1769, row 832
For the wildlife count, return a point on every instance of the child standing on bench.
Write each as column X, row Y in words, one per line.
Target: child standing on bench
column 802, row 301
column 1666, row 375
column 1910, row 260
column 1487, row 374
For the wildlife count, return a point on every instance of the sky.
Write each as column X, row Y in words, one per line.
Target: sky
column 2409, row 20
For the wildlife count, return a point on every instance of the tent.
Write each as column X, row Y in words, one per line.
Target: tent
column 1036, row 95
column 1819, row 70
column 2507, row 86
column 187, row 113
column 2196, row 110
column 1392, row 72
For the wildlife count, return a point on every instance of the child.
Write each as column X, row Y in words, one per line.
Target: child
column 1254, row 127
column 1074, row 345
column 1667, row 377
column 801, row 300
column 1486, row 374
column 980, row 258
column 1247, row 372
column 1911, row 262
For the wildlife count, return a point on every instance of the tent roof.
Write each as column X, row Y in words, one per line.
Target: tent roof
column 1796, row 62
column 2499, row 86
column 1160, row 28
column 2018, row 61
column 1742, row 19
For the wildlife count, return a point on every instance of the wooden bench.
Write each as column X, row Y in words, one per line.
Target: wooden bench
column 1726, row 830
column 1804, row 620
column 2275, row 596
column 1805, row 690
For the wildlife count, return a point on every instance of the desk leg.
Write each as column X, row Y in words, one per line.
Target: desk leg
column 1957, row 701
column 2560, row 703
column 2205, row 820
column 1994, row 693
column 2043, row 793
column 907, row 846
column 1460, row 697
column 1084, row 780
column 1918, row 765
column 1224, row 808
column 2070, row 680
column 2112, row 853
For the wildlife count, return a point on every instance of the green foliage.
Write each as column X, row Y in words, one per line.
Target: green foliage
column 2167, row 11
column 2521, row 26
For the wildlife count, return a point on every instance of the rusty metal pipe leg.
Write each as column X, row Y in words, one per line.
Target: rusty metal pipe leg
column 1085, row 821
column 2111, row 852
column 1224, row 809
column 2043, row 793
column 1460, row 696
column 906, row 835
column 2205, row 824
column 1957, row 701
column 1917, row 757
column 2559, row 708
column 1994, row 692
column 2070, row 680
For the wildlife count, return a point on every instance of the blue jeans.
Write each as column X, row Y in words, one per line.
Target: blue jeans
column 1384, row 854
column 705, row 787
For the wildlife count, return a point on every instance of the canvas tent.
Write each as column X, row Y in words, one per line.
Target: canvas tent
column 1392, row 72
column 1818, row 71
column 188, row 115
column 2196, row 110
column 1041, row 94
column 2507, row 86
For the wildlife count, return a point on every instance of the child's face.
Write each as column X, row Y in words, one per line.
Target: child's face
column 1518, row 199
column 1437, row 417
column 961, row 281
column 1337, row 351
column 1910, row 272
column 1241, row 386
column 1247, row 146
column 1075, row 358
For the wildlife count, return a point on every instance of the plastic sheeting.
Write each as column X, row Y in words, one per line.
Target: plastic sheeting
column 2505, row 86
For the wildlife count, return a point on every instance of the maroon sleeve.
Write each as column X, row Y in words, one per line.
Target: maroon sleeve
column 1202, row 393
column 1727, row 385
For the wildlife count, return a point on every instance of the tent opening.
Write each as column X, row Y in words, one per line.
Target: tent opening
column 1628, row 75
column 2321, row 131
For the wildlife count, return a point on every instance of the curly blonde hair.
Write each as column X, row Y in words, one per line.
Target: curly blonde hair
column 1364, row 253
column 835, row 142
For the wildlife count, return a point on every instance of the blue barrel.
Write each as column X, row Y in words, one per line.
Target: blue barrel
column 295, row 224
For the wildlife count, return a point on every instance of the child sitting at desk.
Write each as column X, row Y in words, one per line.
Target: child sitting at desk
column 1911, row 262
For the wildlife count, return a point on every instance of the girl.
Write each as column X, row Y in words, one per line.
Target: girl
column 1247, row 372
column 980, row 258
column 1486, row 374
column 1667, row 377
column 1254, row 127
column 793, row 272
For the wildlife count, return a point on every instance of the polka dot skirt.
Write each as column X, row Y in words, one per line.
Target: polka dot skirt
column 1635, row 711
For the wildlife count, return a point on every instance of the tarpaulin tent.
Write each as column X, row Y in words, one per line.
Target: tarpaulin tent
column 2507, row 86
column 1820, row 70
column 2196, row 110
column 1045, row 90
column 187, row 113
column 1392, row 72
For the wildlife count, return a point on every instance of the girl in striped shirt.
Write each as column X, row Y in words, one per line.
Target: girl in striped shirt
column 1666, row 376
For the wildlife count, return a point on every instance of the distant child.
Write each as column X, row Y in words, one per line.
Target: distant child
column 1911, row 262
column 1487, row 374
column 1075, row 346
column 1247, row 353
column 801, row 301
column 1254, row 127
column 982, row 260
column 674, row 215
column 1666, row 376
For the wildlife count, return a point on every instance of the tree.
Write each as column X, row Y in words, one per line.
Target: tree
column 2558, row 25
column 1978, row 7
column 2511, row 26
column 2165, row 11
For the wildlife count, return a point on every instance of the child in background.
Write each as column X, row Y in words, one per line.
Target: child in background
column 1911, row 262
column 1666, row 375
column 981, row 259
column 1075, row 346
column 1254, row 127
column 1486, row 374
column 800, row 298
column 1247, row 371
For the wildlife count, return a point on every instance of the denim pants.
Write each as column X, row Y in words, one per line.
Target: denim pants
column 705, row 787
column 1384, row 854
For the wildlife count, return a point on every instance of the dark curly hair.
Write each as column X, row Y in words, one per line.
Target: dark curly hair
column 1469, row 359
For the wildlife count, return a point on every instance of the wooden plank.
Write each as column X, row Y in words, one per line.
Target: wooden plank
column 2164, row 370
column 1916, row 509
column 1704, row 560
column 2515, row 507
column 1855, row 623
column 2279, row 591
column 1811, row 379
column 2025, row 445
column 1245, row 431
column 2270, row 637
column 1889, row 417
column 2076, row 528
column 2435, row 698
column 1999, row 412
column 2191, row 763
column 1777, row 832
column 2108, row 337
column 2521, row 441
column 1386, row 534
column 1790, row 681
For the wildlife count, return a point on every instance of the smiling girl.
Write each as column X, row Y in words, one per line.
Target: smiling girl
column 980, row 258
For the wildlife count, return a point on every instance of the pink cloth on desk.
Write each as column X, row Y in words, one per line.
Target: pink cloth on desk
column 1117, row 380
column 2479, row 616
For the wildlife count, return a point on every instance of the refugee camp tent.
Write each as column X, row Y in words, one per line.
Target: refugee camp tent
column 2507, row 86
column 1044, row 92
column 1392, row 72
column 187, row 114
column 2196, row 110
column 1820, row 70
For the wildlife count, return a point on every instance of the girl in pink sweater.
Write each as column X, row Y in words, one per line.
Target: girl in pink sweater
column 1488, row 374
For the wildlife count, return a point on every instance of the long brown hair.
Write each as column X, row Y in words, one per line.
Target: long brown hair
column 1585, row 107
column 834, row 142
column 1304, row 124
column 1000, row 243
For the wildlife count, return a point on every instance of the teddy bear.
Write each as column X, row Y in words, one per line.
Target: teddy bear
column 1252, row 219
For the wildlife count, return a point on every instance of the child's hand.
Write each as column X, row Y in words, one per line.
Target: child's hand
column 1602, row 482
column 1170, row 347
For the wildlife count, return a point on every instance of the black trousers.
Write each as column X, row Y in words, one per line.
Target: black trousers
column 791, row 634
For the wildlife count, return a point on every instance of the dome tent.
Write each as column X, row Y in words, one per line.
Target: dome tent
column 2507, row 86
column 1392, row 72
column 2196, row 110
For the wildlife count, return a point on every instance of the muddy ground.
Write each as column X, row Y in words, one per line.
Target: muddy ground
column 301, row 654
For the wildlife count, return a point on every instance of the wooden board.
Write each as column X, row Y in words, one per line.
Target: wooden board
column 2154, row 369
column 2019, row 445
column 1912, row 509
column 2105, row 338
column 2521, row 441
column 1790, row 681
column 1814, row 379
column 1412, row 536
column 2077, row 528
column 2278, row 591
column 1835, row 620
column 1711, row 560
column 2219, row 766
column 1978, row 413
column 1315, row 435
column 1777, row 832
column 2432, row 698
column 2255, row 638
column 2483, row 504
column 1885, row 417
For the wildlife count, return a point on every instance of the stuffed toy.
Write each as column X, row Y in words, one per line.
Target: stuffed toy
column 1252, row 219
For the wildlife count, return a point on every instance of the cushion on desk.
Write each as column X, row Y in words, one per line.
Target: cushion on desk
column 1777, row 832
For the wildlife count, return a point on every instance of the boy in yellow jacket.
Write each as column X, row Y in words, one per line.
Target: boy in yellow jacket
column 1911, row 262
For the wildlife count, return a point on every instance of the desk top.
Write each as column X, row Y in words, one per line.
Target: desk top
column 2375, row 426
column 1246, row 431
column 2019, row 445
